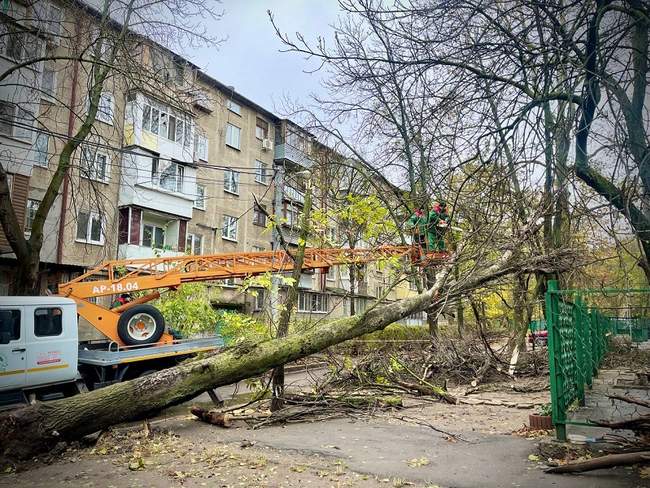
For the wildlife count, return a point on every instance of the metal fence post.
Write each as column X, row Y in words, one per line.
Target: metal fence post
column 580, row 352
column 589, row 347
column 554, row 345
column 595, row 344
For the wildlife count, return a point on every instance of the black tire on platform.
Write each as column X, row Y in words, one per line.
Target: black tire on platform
column 142, row 324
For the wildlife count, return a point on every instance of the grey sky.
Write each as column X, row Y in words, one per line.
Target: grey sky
column 250, row 60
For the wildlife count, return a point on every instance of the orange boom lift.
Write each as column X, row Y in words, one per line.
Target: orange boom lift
column 135, row 323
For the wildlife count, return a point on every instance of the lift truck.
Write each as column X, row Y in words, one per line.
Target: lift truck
column 41, row 356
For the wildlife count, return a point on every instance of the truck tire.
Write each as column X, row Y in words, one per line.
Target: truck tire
column 142, row 324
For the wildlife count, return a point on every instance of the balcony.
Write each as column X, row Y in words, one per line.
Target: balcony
column 290, row 153
column 294, row 194
column 158, row 185
column 132, row 251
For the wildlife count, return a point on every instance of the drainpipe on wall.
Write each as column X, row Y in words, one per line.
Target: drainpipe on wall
column 66, row 179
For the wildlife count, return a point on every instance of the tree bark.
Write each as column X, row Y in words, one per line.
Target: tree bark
column 277, row 377
column 38, row 427
column 603, row 462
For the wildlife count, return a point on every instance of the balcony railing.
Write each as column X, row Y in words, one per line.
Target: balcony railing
column 293, row 154
column 294, row 194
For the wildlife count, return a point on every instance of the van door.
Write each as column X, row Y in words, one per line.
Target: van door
column 12, row 348
column 51, row 344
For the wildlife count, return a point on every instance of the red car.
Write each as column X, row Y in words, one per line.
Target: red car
column 539, row 337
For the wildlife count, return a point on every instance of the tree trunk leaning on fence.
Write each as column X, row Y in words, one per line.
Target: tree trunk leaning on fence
column 36, row 428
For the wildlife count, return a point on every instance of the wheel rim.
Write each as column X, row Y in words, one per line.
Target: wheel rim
column 141, row 326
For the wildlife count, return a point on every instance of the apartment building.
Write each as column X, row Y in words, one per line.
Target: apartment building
column 43, row 106
column 160, row 174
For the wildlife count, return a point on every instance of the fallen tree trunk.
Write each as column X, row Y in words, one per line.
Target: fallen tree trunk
column 633, row 400
column 38, row 427
column 637, row 424
column 603, row 462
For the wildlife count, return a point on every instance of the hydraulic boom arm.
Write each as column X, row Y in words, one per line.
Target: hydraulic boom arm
column 129, row 275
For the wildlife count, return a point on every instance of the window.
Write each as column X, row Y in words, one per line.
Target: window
column 153, row 236
column 231, row 181
column 30, row 213
column 150, row 119
column 171, row 134
column 259, row 215
column 48, row 79
column 49, row 17
column 187, row 138
column 200, row 197
column 9, row 326
column 233, row 107
column 15, row 122
column 229, row 230
column 11, row 41
column 313, row 302
column 159, row 121
column 164, row 124
column 261, row 129
column 47, row 322
column 298, row 140
column 172, row 176
column 380, row 291
column 228, row 282
column 175, row 130
column 100, row 40
column 232, row 136
column 194, row 244
column 105, row 108
column 179, row 72
column 258, row 249
column 201, row 147
column 155, row 170
column 54, row 20
column 94, row 165
column 7, row 111
column 291, row 215
column 259, row 299
column 331, row 273
column 89, row 228
column 331, row 234
column 41, row 144
column 261, row 172
column 17, row 44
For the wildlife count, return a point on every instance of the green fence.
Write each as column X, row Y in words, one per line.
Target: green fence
column 578, row 332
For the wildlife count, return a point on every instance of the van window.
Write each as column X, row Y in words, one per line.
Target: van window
column 9, row 325
column 48, row 322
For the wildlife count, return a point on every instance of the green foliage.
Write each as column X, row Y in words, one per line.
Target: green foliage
column 395, row 365
column 546, row 409
column 236, row 327
column 399, row 332
column 260, row 281
column 359, row 218
column 189, row 309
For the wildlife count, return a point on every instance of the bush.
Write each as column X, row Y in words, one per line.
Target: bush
column 235, row 327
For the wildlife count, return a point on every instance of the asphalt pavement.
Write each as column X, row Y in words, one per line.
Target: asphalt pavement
column 419, row 454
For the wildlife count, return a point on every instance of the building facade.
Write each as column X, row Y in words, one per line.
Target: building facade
column 181, row 164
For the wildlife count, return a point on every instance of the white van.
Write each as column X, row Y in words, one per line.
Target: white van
column 38, row 341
